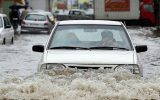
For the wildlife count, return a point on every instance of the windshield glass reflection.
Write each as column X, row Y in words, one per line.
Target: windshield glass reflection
column 89, row 36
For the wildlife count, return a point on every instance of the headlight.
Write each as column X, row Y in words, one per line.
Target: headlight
column 133, row 68
column 52, row 66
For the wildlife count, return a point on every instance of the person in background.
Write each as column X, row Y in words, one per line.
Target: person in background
column 14, row 14
column 24, row 13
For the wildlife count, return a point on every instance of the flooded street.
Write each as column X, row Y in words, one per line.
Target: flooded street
column 150, row 59
column 19, row 59
column 19, row 78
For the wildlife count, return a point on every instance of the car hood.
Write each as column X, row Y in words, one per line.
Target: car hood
column 89, row 56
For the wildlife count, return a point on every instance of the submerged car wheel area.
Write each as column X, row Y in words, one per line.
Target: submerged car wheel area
column 90, row 44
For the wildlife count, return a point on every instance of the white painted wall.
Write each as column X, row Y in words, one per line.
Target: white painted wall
column 39, row 4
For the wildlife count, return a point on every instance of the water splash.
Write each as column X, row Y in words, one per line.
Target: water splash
column 71, row 84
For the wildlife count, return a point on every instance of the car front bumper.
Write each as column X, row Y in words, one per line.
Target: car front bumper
column 133, row 68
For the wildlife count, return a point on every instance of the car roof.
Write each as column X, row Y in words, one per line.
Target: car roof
column 96, row 22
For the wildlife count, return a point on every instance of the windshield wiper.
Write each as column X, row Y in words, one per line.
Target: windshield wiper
column 109, row 48
column 83, row 48
column 69, row 47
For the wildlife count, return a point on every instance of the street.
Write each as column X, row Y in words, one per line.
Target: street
column 20, row 80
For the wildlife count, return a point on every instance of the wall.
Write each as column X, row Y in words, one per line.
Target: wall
column 5, row 6
column 39, row 4
column 1, row 9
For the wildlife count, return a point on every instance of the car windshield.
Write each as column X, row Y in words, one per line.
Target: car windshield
column 35, row 17
column 90, row 37
column 1, row 23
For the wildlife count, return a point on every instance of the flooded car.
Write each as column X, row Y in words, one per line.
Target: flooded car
column 37, row 22
column 90, row 44
column 6, row 30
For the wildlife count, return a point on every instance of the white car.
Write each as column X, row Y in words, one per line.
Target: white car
column 81, row 44
column 6, row 30
column 37, row 22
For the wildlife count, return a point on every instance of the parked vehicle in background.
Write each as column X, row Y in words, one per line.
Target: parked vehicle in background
column 147, row 16
column 77, row 14
column 73, row 14
column 90, row 44
column 90, row 13
column 6, row 30
column 140, row 11
column 61, row 14
column 37, row 22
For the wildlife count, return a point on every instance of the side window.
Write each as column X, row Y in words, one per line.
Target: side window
column 150, row 8
column 6, row 21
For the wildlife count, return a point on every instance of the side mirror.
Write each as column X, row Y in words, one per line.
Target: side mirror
column 141, row 48
column 7, row 26
column 38, row 48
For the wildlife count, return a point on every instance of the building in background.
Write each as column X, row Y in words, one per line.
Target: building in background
column 49, row 5
column 62, row 7
column 4, row 5
column 1, row 9
column 72, row 4
column 40, row 4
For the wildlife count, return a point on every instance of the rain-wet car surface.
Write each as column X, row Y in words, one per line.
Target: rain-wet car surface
column 79, row 44
column 38, row 22
column 6, row 30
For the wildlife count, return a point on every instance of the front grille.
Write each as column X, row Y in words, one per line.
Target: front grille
column 91, row 66
column 80, row 67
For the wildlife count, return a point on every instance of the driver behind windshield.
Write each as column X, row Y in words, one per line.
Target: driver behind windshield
column 108, row 39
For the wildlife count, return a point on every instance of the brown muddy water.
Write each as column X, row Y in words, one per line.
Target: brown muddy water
column 78, row 85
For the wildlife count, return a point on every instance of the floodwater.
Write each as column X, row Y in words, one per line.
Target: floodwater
column 20, row 81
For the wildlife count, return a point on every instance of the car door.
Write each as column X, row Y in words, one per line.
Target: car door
column 8, row 30
column 4, row 30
